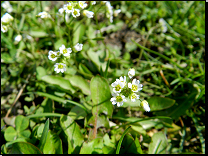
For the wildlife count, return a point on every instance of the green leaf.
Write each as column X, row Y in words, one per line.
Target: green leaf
column 160, row 103
column 182, row 105
column 158, row 144
column 57, row 80
column 23, row 148
column 53, row 144
column 58, row 99
column 21, row 123
column 121, row 139
column 80, row 82
column 24, row 134
column 84, row 69
column 76, row 113
column 100, row 93
column 139, row 149
column 93, row 147
column 40, row 72
column 6, row 58
column 128, row 145
column 72, row 131
column 109, row 144
column 10, row 134
column 44, row 135
column 78, row 32
column 38, row 33
column 101, row 121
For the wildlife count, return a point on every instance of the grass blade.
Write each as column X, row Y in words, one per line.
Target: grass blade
column 121, row 139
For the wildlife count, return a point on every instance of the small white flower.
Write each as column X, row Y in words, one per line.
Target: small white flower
column 118, row 85
column 122, row 79
column 145, row 105
column 116, row 12
column 6, row 18
column 65, row 51
column 78, row 47
column 44, row 15
column 61, row 10
column 68, row 8
column 60, row 67
column 4, row 28
column 87, row 13
column 18, row 38
column 93, row 2
column 163, row 24
column 131, row 72
column 6, row 5
column 109, row 13
column 135, row 86
column 134, row 97
column 29, row 37
column 52, row 55
column 118, row 99
column 82, row 4
column 75, row 13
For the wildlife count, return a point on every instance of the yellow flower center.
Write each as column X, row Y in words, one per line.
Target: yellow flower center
column 53, row 55
column 69, row 7
column 64, row 51
column 133, row 96
column 118, row 87
column 119, row 98
column 134, row 87
column 60, row 66
column 75, row 12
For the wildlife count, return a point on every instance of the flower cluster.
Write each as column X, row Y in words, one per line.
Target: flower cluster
column 75, row 7
column 44, row 15
column 123, row 90
column 6, row 19
column 163, row 25
column 110, row 12
column 62, row 54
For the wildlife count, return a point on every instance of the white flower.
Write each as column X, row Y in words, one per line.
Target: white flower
column 145, row 105
column 87, row 13
column 4, row 28
column 29, row 37
column 119, row 99
column 60, row 67
column 75, row 13
column 18, row 38
column 65, row 51
column 44, row 15
column 134, row 97
column 93, row 2
column 135, row 86
column 109, row 13
column 52, row 55
column 118, row 85
column 163, row 24
column 6, row 18
column 6, row 5
column 68, row 8
column 116, row 12
column 82, row 4
column 131, row 72
column 78, row 46
column 122, row 79
column 61, row 10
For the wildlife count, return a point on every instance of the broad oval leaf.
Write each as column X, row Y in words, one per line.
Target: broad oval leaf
column 10, row 134
column 57, row 80
column 24, row 148
column 93, row 147
column 160, row 103
column 81, row 83
column 100, row 93
column 21, row 123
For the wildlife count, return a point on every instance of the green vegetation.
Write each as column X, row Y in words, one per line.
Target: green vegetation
column 71, row 112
